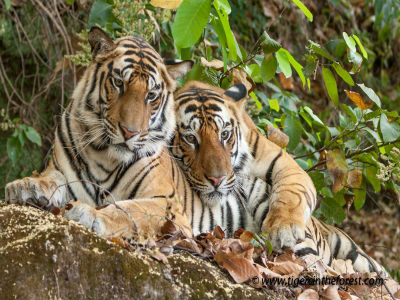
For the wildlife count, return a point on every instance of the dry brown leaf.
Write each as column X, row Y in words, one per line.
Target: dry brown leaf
column 219, row 233
column 286, row 268
column 322, row 160
column 237, row 233
column 168, row 4
column 189, row 244
column 354, row 179
column 157, row 255
column 343, row 266
column 289, row 255
column 344, row 295
column 287, row 83
column 240, row 268
column 214, row 64
column 393, row 286
column 277, row 136
column 337, row 168
column 330, row 293
column 240, row 76
column 168, row 227
column 308, row 294
column 358, row 100
column 246, row 236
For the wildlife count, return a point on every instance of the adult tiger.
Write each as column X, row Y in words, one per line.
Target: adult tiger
column 218, row 147
column 111, row 143
column 293, row 196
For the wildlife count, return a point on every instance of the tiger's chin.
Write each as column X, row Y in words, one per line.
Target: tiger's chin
column 213, row 198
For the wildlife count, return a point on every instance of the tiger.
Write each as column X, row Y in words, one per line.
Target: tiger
column 218, row 146
column 293, row 196
column 110, row 169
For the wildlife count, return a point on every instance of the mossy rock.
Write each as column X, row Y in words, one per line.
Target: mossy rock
column 43, row 256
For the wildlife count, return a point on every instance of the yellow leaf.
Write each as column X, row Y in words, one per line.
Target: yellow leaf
column 358, row 100
column 337, row 168
column 355, row 178
column 168, row 4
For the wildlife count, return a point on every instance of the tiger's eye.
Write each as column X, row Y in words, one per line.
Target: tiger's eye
column 225, row 134
column 118, row 82
column 191, row 138
column 151, row 96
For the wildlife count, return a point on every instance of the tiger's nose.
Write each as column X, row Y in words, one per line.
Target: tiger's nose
column 216, row 181
column 128, row 133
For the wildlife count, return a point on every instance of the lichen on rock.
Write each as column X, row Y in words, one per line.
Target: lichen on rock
column 43, row 256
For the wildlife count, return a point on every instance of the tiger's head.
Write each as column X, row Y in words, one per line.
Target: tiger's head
column 208, row 143
column 126, row 97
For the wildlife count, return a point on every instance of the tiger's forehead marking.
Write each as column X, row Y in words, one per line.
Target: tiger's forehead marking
column 137, row 59
column 201, row 108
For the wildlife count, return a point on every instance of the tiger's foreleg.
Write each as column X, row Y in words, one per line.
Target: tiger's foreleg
column 292, row 195
column 127, row 218
column 45, row 190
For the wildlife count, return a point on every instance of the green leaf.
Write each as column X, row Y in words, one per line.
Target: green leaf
column 8, row 4
column 298, row 67
column 268, row 44
column 343, row 73
column 364, row 53
column 319, row 50
column 304, row 9
column 190, row 20
column 332, row 210
column 314, row 116
column 349, row 112
column 100, row 13
column 330, row 84
column 254, row 72
column 356, row 59
column 268, row 68
column 14, row 149
column 293, row 129
column 224, row 4
column 390, row 131
column 370, row 174
column 33, row 136
column 360, row 195
column 234, row 50
column 274, row 104
column 370, row 93
column 350, row 42
column 69, row 2
column 258, row 103
column 283, row 63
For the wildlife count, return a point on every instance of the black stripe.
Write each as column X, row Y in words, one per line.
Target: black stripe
column 137, row 185
column 270, row 169
column 305, row 251
column 255, row 146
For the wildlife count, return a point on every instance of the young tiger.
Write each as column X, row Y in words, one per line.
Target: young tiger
column 218, row 147
column 111, row 144
column 293, row 196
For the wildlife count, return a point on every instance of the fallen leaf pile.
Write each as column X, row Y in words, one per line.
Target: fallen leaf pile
column 247, row 263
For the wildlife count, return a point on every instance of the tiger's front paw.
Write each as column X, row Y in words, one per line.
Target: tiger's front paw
column 107, row 221
column 36, row 190
column 283, row 232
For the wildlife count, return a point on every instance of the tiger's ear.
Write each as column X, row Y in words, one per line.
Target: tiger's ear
column 173, row 70
column 237, row 92
column 100, row 42
column 178, row 68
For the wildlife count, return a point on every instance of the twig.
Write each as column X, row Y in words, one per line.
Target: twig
column 377, row 272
